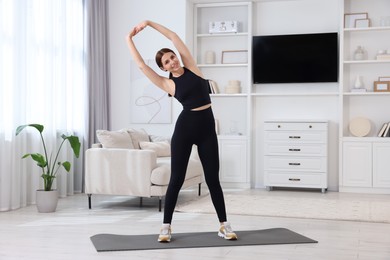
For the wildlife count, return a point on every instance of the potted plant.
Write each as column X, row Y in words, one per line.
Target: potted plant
column 47, row 198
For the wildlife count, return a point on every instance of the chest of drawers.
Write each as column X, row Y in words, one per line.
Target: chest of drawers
column 296, row 154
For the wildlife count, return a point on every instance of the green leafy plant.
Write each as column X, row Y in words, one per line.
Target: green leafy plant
column 49, row 166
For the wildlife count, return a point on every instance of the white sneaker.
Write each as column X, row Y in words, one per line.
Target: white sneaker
column 165, row 233
column 226, row 232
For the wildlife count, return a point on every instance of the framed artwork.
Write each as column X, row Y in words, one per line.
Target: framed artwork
column 382, row 86
column 234, row 57
column 350, row 19
column 384, row 78
column 148, row 103
column 362, row 23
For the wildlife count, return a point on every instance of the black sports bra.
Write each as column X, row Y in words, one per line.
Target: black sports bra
column 191, row 90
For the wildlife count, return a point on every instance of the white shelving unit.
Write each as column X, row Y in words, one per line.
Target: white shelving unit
column 232, row 111
column 364, row 159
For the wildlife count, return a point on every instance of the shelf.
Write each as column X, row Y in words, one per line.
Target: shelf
column 365, row 61
column 228, row 107
column 366, row 139
column 381, row 28
column 295, row 94
column 201, row 35
column 369, row 93
column 220, row 65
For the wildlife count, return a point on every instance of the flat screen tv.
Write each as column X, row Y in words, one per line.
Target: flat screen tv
column 295, row 58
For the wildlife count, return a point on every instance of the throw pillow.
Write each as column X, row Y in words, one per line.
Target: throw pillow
column 158, row 138
column 162, row 149
column 115, row 139
column 138, row 136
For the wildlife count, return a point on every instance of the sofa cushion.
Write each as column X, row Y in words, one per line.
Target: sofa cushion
column 158, row 138
column 160, row 148
column 138, row 136
column 115, row 139
column 162, row 173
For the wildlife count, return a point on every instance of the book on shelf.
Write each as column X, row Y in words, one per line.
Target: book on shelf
column 387, row 133
column 383, row 129
column 213, row 87
column 383, row 57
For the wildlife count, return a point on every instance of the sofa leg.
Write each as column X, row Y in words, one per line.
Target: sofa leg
column 89, row 201
column 159, row 203
column 140, row 202
column 199, row 189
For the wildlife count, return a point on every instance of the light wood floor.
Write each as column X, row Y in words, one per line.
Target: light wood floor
column 65, row 234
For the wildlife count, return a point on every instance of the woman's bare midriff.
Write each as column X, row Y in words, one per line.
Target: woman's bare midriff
column 201, row 108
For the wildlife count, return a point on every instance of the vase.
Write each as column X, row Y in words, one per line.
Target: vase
column 47, row 200
column 210, row 57
column 358, row 82
column 359, row 53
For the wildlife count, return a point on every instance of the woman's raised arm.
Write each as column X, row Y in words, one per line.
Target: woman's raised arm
column 185, row 55
column 161, row 82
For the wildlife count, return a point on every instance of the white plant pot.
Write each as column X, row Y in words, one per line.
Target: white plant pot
column 47, row 200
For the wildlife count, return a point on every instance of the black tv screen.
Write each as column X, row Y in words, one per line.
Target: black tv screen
column 295, row 58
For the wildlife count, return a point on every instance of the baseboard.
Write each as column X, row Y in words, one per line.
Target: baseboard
column 364, row 190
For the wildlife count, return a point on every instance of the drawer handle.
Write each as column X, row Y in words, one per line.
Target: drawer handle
column 291, row 163
column 294, row 179
column 294, row 150
column 294, row 137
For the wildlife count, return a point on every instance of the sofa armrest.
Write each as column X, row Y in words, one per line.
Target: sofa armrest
column 194, row 153
column 119, row 171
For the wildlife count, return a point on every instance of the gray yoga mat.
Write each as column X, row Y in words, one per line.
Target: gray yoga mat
column 111, row 242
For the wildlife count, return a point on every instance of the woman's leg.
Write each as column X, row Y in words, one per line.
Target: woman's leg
column 209, row 156
column 180, row 153
column 208, row 153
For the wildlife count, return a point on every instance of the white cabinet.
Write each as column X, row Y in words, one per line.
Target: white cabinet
column 233, row 160
column 366, row 166
column 296, row 154
column 224, row 57
column 364, row 160
column 357, row 164
column 381, row 165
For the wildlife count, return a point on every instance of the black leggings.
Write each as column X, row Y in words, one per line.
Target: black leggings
column 194, row 127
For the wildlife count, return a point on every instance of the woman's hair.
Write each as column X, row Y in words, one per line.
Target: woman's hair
column 159, row 55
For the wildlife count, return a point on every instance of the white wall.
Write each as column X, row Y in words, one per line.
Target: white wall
column 298, row 16
column 124, row 15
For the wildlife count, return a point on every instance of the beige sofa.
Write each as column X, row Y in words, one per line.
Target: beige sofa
column 131, row 162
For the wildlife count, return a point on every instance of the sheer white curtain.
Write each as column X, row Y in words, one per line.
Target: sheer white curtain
column 42, row 80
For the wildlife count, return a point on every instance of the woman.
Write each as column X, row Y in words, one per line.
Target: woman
column 195, row 124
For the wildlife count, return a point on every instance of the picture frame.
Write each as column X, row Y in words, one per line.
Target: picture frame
column 234, row 57
column 384, row 78
column 362, row 23
column 350, row 18
column 381, row 86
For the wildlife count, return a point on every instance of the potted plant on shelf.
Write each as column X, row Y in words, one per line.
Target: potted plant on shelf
column 47, row 198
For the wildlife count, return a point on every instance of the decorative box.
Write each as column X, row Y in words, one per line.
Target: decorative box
column 223, row 27
column 233, row 87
